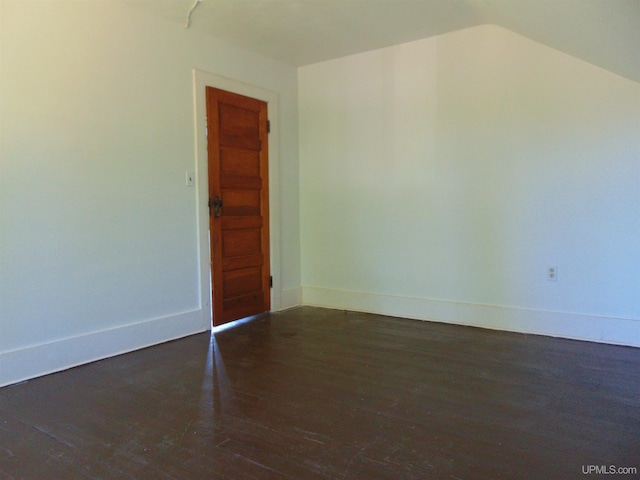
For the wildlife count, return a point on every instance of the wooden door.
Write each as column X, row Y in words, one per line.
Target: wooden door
column 238, row 205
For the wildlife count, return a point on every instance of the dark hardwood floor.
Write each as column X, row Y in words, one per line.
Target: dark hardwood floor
column 323, row 394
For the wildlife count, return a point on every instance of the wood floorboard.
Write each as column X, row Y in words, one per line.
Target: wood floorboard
column 324, row 394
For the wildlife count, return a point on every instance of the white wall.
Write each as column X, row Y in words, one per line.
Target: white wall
column 98, row 232
column 440, row 179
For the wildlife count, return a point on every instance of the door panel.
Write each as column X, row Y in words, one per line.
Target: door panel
column 238, row 177
column 243, row 282
column 241, row 203
column 237, row 127
column 240, row 243
column 242, row 163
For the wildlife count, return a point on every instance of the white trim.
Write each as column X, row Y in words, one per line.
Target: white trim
column 292, row 297
column 43, row 359
column 617, row 331
column 201, row 80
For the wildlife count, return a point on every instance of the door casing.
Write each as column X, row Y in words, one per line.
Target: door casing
column 201, row 80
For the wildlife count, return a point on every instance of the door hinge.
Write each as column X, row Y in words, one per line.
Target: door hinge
column 271, row 281
column 268, row 126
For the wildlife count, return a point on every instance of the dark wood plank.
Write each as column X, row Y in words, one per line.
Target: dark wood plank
column 323, row 394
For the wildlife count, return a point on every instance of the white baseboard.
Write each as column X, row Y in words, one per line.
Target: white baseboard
column 290, row 298
column 37, row 360
column 617, row 331
column 34, row 361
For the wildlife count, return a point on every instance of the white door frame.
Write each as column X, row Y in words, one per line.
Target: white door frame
column 201, row 80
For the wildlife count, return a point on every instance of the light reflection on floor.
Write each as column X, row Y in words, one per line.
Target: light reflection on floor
column 235, row 323
column 217, row 399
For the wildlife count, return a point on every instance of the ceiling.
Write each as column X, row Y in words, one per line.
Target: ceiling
column 301, row 32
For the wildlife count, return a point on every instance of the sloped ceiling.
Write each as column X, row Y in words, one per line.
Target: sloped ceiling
column 301, row 32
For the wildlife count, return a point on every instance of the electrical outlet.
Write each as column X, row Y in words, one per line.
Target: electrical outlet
column 552, row 273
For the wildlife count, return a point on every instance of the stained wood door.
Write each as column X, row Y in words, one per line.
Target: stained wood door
column 238, row 205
